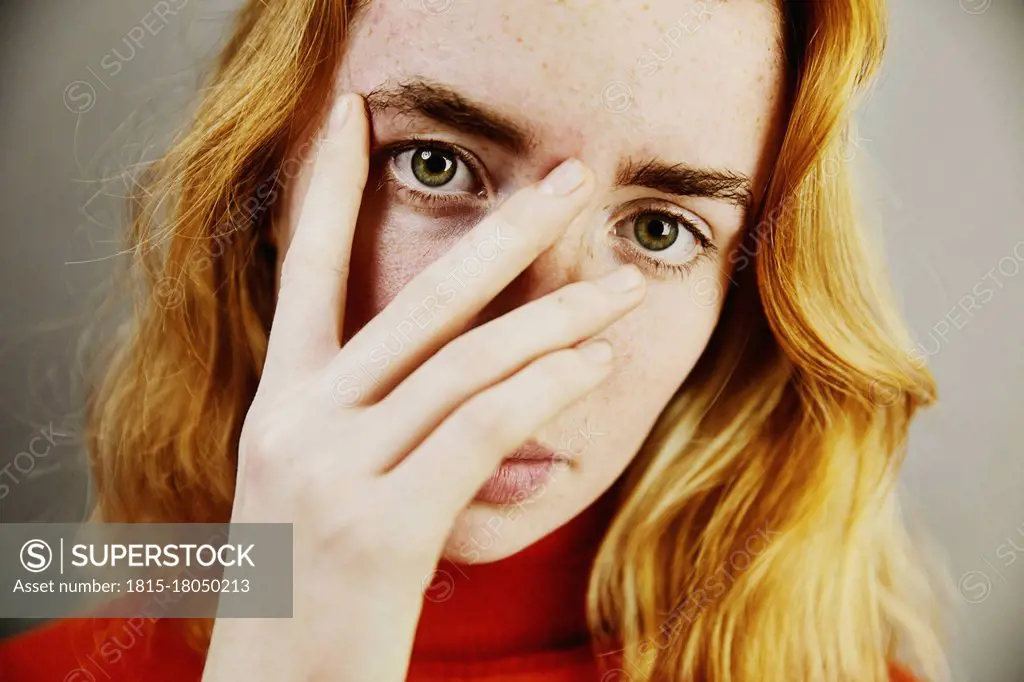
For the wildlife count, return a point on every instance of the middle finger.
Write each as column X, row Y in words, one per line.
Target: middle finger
column 500, row 248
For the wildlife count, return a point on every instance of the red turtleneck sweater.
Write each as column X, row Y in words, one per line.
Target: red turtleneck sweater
column 513, row 620
column 516, row 620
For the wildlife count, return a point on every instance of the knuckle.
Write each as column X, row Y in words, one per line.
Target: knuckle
column 265, row 438
column 267, row 446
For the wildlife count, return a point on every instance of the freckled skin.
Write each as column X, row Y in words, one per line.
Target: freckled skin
column 715, row 101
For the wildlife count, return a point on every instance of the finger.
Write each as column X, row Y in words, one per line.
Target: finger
column 488, row 354
column 314, row 275
column 445, row 472
column 440, row 301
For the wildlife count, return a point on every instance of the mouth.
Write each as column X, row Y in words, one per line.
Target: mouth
column 532, row 451
column 521, row 475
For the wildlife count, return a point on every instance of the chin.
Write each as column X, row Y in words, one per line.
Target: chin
column 483, row 532
column 486, row 532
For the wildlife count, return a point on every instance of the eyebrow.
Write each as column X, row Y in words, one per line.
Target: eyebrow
column 684, row 180
column 446, row 106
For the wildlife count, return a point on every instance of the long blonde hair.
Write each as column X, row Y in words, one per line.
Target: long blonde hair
column 759, row 537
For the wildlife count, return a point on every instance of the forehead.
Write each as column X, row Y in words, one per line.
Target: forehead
column 695, row 81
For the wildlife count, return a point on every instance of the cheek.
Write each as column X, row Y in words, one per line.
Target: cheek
column 657, row 346
column 392, row 245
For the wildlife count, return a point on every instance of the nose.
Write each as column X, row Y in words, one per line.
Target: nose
column 552, row 270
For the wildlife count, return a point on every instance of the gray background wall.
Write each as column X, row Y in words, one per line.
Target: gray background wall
column 942, row 140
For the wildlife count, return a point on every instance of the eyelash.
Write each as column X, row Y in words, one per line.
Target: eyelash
column 437, row 202
column 441, row 203
column 626, row 249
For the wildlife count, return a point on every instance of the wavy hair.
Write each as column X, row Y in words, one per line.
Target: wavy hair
column 759, row 537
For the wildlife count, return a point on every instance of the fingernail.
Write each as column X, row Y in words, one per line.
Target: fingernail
column 565, row 179
column 599, row 352
column 340, row 113
column 621, row 280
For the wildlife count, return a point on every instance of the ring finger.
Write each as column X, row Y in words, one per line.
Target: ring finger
column 488, row 354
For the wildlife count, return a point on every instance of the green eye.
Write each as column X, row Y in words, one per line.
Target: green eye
column 655, row 231
column 433, row 167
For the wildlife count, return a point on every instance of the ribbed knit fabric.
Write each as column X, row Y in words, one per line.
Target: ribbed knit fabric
column 521, row 618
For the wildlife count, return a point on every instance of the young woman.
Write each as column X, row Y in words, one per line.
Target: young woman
column 550, row 328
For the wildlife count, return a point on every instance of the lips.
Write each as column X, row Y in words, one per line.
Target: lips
column 520, row 476
column 532, row 451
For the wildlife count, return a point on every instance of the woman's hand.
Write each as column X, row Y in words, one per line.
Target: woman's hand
column 372, row 461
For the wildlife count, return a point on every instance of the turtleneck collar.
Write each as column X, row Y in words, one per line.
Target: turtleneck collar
column 531, row 603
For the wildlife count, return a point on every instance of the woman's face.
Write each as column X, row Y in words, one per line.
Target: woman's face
column 676, row 106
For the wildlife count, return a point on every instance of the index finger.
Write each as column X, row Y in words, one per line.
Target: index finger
column 314, row 276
